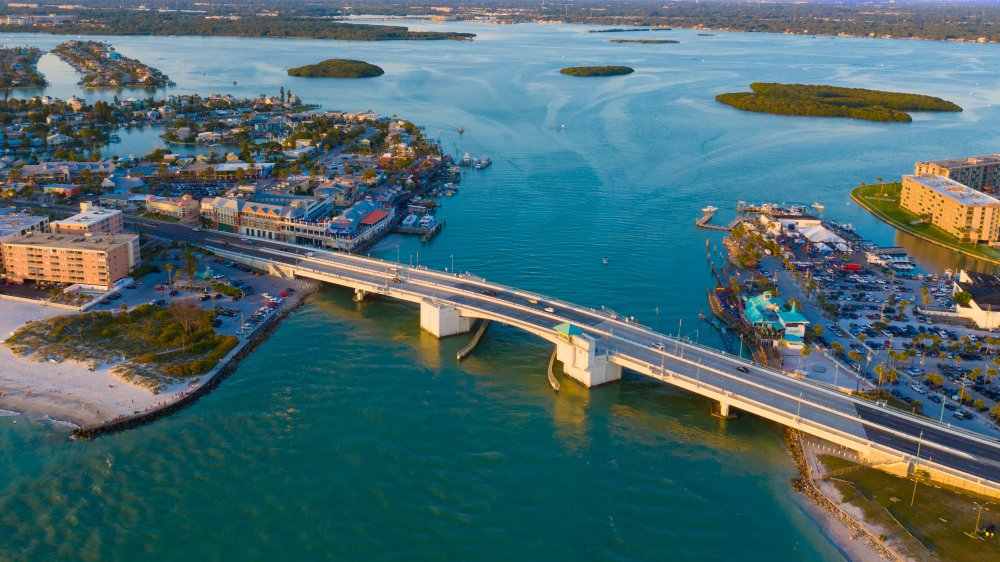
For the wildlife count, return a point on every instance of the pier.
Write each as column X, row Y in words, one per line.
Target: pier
column 706, row 219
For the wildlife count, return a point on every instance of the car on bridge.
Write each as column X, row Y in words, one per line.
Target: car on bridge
column 743, row 369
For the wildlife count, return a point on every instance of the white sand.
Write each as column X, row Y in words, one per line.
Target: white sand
column 65, row 391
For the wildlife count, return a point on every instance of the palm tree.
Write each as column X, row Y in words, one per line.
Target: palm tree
column 170, row 268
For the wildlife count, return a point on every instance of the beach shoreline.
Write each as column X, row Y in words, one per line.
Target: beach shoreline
column 67, row 393
column 854, row 537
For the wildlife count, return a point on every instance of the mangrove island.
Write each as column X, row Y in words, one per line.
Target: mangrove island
column 832, row 101
column 597, row 70
column 644, row 41
column 337, row 68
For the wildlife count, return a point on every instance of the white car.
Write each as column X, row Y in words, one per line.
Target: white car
column 310, row 255
column 549, row 309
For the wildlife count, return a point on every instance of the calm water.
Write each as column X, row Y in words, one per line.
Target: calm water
column 351, row 435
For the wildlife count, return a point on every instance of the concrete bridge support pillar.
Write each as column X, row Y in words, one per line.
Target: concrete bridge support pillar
column 580, row 360
column 443, row 320
column 723, row 410
column 360, row 295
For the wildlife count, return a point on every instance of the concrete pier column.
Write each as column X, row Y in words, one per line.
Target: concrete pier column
column 723, row 410
column 578, row 354
column 442, row 320
column 360, row 295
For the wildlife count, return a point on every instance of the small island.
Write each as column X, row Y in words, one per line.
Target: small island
column 832, row 101
column 337, row 68
column 597, row 70
column 644, row 41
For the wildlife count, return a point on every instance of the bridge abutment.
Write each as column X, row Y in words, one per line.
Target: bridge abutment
column 360, row 295
column 442, row 320
column 580, row 360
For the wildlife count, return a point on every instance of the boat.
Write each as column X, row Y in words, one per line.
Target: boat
column 461, row 130
column 709, row 209
column 466, row 160
column 409, row 220
column 818, row 207
column 605, row 260
column 483, row 163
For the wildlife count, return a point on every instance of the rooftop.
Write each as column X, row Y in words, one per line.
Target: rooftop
column 984, row 288
column 15, row 223
column 965, row 162
column 954, row 190
column 88, row 217
column 71, row 241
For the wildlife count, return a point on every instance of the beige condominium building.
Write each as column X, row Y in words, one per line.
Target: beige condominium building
column 977, row 172
column 91, row 220
column 95, row 260
column 967, row 214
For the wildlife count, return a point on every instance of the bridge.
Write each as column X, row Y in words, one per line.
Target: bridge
column 595, row 346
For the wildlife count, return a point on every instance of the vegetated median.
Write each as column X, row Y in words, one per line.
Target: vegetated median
column 337, row 68
column 882, row 200
column 586, row 71
column 833, row 101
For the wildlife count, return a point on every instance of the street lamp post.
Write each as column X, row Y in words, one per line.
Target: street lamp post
column 916, row 476
column 975, row 532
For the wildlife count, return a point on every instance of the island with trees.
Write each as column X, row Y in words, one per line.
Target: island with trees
column 19, row 68
column 103, row 67
column 645, row 41
column 586, row 71
column 832, row 101
column 337, row 68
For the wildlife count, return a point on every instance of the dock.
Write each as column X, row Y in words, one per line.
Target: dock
column 425, row 233
column 706, row 219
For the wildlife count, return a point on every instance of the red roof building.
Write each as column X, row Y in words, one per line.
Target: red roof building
column 374, row 217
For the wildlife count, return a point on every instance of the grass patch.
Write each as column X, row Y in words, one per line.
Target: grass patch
column 883, row 202
column 938, row 520
column 161, row 217
column 161, row 346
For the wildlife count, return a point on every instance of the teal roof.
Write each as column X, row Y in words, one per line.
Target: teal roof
column 792, row 338
column 760, row 310
column 568, row 329
column 792, row 317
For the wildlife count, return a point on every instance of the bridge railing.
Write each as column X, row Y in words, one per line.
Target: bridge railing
column 629, row 326
column 785, row 417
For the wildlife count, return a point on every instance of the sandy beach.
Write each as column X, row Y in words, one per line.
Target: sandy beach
column 65, row 391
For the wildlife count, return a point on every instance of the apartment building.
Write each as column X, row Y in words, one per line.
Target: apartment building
column 967, row 214
column 91, row 220
column 19, row 224
column 97, row 260
column 977, row 172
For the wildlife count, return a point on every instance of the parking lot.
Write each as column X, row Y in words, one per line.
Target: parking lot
column 881, row 324
column 242, row 296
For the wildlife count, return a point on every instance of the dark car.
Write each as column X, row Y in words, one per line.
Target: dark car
column 742, row 369
column 490, row 293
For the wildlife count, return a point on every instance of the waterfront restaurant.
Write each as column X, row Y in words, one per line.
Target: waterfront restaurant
column 776, row 326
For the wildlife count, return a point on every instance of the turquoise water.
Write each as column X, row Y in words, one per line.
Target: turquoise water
column 351, row 435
